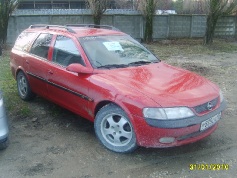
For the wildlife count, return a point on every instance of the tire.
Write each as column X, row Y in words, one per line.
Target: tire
column 23, row 87
column 4, row 145
column 114, row 129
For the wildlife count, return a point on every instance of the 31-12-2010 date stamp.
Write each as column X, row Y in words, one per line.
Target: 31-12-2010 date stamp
column 209, row 167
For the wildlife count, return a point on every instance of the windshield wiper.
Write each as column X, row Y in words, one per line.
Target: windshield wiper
column 109, row 66
column 140, row 62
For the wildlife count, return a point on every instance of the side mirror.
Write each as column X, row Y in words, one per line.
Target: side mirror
column 78, row 68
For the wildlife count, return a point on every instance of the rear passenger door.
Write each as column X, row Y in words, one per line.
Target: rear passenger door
column 67, row 88
column 37, row 63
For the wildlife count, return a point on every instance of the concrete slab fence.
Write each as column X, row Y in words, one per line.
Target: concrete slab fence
column 165, row 26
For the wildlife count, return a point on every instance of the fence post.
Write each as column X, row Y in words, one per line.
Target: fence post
column 0, row 50
column 235, row 27
column 113, row 24
column 141, row 27
column 168, row 28
column 191, row 27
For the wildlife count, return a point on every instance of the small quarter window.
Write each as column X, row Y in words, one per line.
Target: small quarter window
column 66, row 52
column 41, row 45
column 24, row 40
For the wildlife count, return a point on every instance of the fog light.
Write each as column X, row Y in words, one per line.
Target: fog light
column 167, row 139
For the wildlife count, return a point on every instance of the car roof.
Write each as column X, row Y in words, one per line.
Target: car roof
column 77, row 30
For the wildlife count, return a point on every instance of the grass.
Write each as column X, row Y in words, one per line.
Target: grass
column 183, row 47
column 168, row 48
column 13, row 102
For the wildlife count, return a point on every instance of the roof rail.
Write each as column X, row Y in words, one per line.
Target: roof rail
column 93, row 26
column 52, row 26
column 38, row 26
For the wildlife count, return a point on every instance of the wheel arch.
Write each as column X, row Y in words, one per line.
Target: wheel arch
column 125, row 106
column 101, row 104
column 20, row 69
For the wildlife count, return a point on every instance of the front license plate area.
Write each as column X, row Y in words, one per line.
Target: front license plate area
column 210, row 122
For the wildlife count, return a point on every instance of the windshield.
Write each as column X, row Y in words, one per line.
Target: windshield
column 116, row 51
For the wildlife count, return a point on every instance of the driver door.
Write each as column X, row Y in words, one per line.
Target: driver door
column 66, row 88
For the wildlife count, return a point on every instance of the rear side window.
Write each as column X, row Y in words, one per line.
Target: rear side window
column 24, row 40
column 66, row 52
column 41, row 45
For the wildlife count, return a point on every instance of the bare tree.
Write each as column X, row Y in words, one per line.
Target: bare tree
column 194, row 7
column 98, row 7
column 6, row 9
column 148, row 7
column 165, row 4
column 215, row 10
column 135, row 4
column 124, row 4
column 178, row 5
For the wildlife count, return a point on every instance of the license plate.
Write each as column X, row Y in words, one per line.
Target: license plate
column 210, row 122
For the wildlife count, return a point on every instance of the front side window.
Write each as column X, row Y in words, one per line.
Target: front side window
column 65, row 52
column 41, row 45
column 115, row 51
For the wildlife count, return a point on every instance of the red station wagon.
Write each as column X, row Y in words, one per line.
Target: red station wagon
column 107, row 77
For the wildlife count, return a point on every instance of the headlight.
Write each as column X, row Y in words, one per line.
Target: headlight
column 167, row 113
column 221, row 96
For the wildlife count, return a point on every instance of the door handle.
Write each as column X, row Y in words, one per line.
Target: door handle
column 50, row 72
column 27, row 62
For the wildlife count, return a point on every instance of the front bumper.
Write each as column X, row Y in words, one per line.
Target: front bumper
column 149, row 134
column 4, row 130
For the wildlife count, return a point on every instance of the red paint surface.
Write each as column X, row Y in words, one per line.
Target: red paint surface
column 132, row 88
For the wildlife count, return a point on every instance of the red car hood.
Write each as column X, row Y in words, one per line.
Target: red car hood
column 166, row 85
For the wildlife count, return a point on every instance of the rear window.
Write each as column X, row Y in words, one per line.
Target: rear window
column 24, row 40
column 41, row 45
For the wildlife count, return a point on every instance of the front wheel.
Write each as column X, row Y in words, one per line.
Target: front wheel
column 114, row 129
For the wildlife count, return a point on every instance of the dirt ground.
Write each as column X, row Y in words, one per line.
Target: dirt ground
column 65, row 145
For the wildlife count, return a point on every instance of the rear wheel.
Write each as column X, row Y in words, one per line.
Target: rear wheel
column 114, row 129
column 23, row 87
